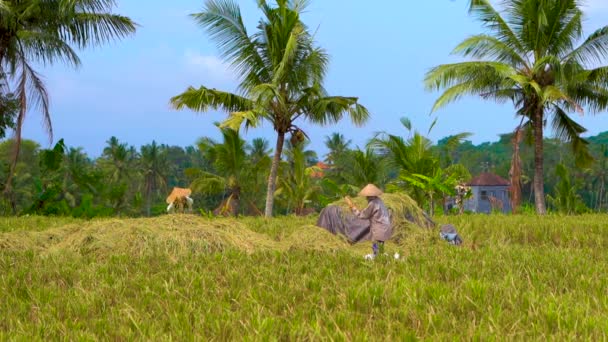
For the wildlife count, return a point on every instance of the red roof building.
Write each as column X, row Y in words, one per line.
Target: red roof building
column 488, row 179
column 322, row 167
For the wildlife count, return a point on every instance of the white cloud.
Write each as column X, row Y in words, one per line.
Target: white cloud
column 209, row 66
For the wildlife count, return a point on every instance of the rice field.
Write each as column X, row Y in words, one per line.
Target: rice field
column 186, row 277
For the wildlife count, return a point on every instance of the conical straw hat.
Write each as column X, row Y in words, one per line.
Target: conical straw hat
column 178, row 193
column 370, row 190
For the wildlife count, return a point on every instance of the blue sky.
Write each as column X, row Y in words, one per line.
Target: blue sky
column 378, row 53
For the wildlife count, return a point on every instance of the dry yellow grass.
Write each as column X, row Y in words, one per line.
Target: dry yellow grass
column 175, row 235
column 172, row 235
column 184, row 277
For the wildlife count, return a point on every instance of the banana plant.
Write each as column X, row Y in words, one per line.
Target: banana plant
column 437, row 185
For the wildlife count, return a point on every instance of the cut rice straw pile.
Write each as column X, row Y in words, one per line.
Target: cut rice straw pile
column 178, row 234
column 407, row 217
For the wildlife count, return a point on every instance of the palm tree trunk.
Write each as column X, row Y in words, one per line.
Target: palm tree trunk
column 272, row 179
column 539, row 187
column 515, row 172
column 235, row 202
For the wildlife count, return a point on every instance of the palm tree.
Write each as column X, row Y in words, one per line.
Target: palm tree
column 566, row 199
column 414, row 155
column 449, row 146
column 367, row 167
column 118, row 162
column 337, row 146
column 116, row 157
column 229, row 159
column 281, row 74
column 259, row 159
column 436, row 184
column 259, row 149
column 530, row 58
column 298, row 187
column 45, row 31
column 78, row 178
column 155, row 168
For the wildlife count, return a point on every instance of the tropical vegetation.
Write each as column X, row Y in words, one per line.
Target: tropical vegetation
column 228, row 177
column 531, row 57
column 281, row 71
column 47, row 32
column 87, row 251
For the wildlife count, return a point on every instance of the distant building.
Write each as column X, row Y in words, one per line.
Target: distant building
column 320, row 173
column 490, row 191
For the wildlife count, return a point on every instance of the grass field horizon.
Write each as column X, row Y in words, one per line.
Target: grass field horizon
column 189, row 277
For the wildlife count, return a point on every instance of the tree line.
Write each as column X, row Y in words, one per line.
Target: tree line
column 228, row 176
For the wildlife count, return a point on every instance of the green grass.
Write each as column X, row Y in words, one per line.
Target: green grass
column 187, row 278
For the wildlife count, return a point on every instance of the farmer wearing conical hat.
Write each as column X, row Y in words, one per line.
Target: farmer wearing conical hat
column 378, row 215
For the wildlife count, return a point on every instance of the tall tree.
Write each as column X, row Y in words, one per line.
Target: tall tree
column 367, row 167
column 565, row 197
column 119, row 163
column 259, row 149
column 155, row 168
column 45, row 31
column 25, row 172
column 229, row 160
column 337, row 146
column 412, row 156
column 530, row 57
column 281, row 73
column 260, row 161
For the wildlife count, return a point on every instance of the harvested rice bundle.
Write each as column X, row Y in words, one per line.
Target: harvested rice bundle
column 405, row 214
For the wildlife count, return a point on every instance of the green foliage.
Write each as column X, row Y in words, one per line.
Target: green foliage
column 440, row 184
column 49, row 195
column 418, row 164
column 332, row 191
column 25, row 171
column 337, row 146
column 566, row 199
column 46, row 32
column 367, row 167
column 155, row 167
column 235, row 174
column 281, row 71
column 120, row 181
column 9, row 107
column 297, row 188
column 530, row 57
column 119, row 164
column 88, row 210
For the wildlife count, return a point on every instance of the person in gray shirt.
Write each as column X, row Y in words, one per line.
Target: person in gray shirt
column 376, row 212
